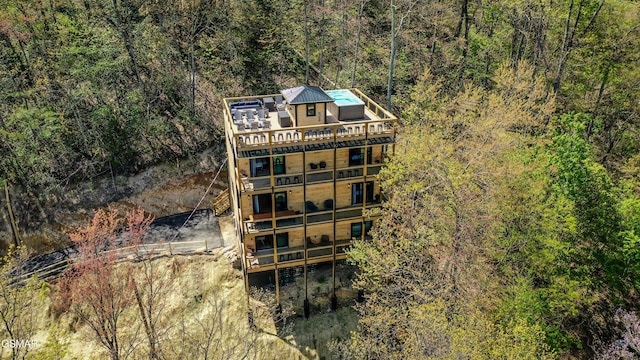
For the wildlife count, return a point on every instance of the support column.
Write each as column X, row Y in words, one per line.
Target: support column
column 334, row 298
column 277, row 286
column 304, row 222
column 306, row 308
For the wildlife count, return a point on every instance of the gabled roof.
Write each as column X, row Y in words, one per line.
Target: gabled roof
column 305, row 94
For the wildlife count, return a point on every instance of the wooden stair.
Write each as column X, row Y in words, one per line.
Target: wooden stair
column 221, row 203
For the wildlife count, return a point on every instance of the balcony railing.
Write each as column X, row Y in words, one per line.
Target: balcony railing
column 284, row 255
column 263, row 222
column 315, row 134
column 322, row 217
column 351, row 172
column 319, row 176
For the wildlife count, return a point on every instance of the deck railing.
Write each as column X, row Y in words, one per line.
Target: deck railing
column 292, row 256
column 382, row 125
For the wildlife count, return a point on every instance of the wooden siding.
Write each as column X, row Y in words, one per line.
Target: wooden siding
column 296, row 237
column 317, row 156
column 295, row 198
column 293, row 163
column 301, row 115
column 315, row 232
column 343, row 195
column 318, row 193
column 376, row 154
column 342, row 158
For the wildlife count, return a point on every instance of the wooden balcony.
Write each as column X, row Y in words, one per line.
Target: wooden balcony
column 269, row 259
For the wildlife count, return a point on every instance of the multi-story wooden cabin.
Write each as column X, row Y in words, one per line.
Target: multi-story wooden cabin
column 303, row 168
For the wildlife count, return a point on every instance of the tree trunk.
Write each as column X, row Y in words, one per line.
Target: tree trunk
column 568, row 42
column 603, row 84
column 192, row 70
column 342, row 45
column 121, row 25
column 464, row 18
column 392, row 59
column 134, row 64
column 322, row 41
column 12, row 220
column 153, row 351
column 306, row 44
column 355, row 55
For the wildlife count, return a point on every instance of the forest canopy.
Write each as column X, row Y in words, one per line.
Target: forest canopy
column 512, row 226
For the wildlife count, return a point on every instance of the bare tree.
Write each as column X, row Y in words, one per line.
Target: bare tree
column 572, row 35
column 211, row 334
column 97, row 291
column 358, row 36
column 150, row 286
column 405, row 8
column 306, row 41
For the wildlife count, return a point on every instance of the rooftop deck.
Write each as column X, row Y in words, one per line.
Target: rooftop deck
column 260, row 134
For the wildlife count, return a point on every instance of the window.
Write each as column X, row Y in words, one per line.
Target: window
column 356, row 229
column 282, row 240
column 369, row 196
column 262, row 204
column 260, row 167
column 311, row 109
column 281, row 201
column 367, row 227
column 279, row 167
column 264, row 242
column 357, row 194
column 356, row 157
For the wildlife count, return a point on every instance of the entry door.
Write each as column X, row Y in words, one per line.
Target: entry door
column 356, row 193
column 260, row 167
column 282, row 240
column 281, row 201
column 369, row 191
column 262, row 204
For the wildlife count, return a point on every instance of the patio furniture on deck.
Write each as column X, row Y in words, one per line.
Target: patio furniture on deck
column 237, row 117
column 280, row 103
column 328, row 204
column 310, row 206
column 269, row 103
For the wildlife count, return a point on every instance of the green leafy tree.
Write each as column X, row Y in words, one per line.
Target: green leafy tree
column 596, row 248
column 428, row 276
